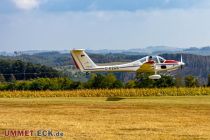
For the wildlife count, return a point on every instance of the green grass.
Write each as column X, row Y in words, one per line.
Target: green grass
column 166, row 117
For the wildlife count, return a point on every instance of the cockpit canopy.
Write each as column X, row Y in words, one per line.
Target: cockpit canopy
column 156, row 59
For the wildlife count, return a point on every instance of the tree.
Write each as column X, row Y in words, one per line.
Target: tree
column 143, row 81
column 2, row 79
column 191, row 81
column 101, row 81
column 12, row 78
column 130, row 84
column 90, row 82
column 98, row 81
column 22, row 85
column 208, row 80
column 118, row 84
column 18, row 67
column 5, row 68
column 40, row 84
column 165, row 81
column 76, row 85
column 65, row 83
column 179, row 82
column 109, row 80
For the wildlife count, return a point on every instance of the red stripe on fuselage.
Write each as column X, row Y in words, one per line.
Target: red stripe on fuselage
column 150, row 62
column 170, row 61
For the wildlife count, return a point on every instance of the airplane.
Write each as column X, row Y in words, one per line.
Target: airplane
column 148, row 64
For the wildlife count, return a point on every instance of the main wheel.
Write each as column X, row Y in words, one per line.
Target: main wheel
column 155, row 77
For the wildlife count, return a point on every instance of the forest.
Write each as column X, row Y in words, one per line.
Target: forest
column 11, row 70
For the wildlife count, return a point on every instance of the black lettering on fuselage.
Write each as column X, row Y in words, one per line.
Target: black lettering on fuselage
column 111, row 68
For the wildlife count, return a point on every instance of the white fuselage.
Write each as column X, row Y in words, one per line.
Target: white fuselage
column 146, row 64
column 134, row 66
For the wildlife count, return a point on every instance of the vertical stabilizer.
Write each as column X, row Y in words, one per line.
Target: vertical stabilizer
column 82, row 60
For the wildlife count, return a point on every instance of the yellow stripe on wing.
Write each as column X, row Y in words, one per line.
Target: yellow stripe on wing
column 146, row 67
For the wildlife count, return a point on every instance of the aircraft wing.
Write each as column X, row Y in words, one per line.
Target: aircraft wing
column 147, row 68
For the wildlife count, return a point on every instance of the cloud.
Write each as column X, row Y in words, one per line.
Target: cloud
column 105, row 30
column 101, row 27
column 27, row 4
column 101, row 5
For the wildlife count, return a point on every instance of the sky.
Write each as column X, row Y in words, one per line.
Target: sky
column 103, row 24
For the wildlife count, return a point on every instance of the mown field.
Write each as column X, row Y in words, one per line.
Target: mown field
column 113, row 118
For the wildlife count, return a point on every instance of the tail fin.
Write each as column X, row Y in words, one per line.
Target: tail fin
column 82, row 60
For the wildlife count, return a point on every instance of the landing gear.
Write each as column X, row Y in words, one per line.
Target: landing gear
column 155, row 77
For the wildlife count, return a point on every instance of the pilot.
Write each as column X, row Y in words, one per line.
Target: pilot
column 150, row 60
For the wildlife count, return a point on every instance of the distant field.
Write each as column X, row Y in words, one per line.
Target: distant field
column 109, row 92
column 178, row 117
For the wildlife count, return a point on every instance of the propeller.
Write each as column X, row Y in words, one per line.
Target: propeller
column 182, row 63
column 181, row 58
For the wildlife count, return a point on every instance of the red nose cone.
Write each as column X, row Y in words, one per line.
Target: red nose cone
column 171, row 61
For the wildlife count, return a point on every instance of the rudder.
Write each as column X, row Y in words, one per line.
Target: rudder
column 82, row 60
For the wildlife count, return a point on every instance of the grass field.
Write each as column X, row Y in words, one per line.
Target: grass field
column 185, row 117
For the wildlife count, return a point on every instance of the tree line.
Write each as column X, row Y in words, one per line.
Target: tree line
column 18, row 75
column 97, row 81
column 11, row 70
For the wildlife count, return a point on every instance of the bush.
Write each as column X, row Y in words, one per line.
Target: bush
column 191, row 81
column 130, row 84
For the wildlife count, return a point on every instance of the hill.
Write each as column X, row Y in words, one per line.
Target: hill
column 150, row 50
column 205, row 51
column 196, row 65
